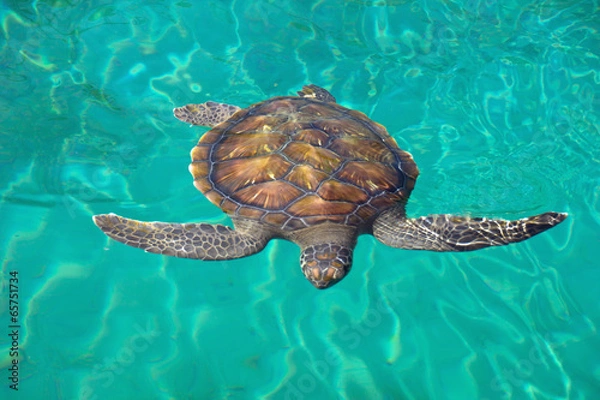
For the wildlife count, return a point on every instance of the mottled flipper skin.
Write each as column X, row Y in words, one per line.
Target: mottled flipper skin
column 205, row 114
column 317, row 93
column 445, row 232
column 197, row 241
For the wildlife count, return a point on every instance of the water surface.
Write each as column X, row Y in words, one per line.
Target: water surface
column 498, row 103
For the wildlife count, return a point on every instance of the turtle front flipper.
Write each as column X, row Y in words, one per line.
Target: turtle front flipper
column 454, row 233
column 205, row 114
column 198, row 241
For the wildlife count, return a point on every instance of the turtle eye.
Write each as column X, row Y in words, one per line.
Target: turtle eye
column 325, row 265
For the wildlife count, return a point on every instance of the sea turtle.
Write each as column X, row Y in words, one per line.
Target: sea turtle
column 306, row 169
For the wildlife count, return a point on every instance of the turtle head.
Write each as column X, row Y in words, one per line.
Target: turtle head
column 324, row 265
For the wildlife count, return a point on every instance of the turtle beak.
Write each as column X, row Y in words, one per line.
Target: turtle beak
column 323, row 278
column 326, row 264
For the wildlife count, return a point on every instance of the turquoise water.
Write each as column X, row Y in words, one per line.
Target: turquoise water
column 498, row 103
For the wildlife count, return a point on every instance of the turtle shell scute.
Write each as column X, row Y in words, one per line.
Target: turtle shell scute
column 293, row 162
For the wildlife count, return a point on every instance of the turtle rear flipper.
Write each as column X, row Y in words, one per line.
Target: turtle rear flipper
column 199, row 241
column 317, row 93
column 205, row 114
column 454, row 233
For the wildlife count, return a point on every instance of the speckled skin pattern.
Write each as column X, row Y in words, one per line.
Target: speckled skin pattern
column 453, row 233
column 198, row 241
column 308, row 170
column 325, row 263
column 206, row 114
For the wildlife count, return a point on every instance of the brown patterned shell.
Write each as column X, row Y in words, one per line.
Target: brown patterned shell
column 294, row 162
